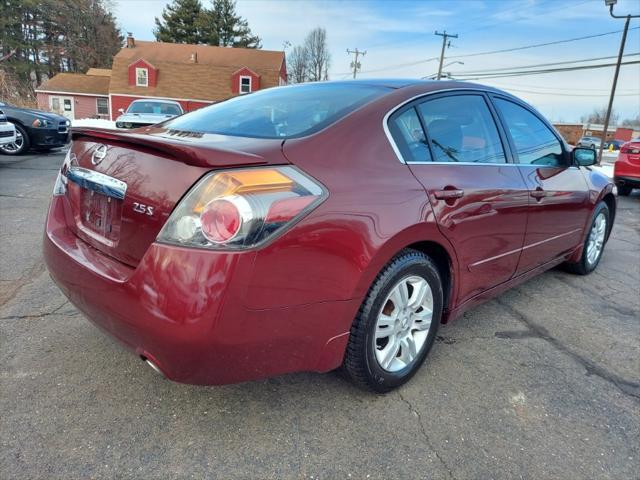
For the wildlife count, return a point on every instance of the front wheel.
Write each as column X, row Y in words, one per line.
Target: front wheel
column 397, row 323
column 594, row 243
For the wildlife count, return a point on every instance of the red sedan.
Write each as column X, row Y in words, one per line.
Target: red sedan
column 310, row 227
column 626, row 170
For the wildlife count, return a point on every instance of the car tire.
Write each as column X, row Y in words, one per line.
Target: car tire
column 598, row 233
column 397, row 306
column 624, row 190
column 13, row 148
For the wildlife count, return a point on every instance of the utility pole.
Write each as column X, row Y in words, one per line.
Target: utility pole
column 355, row 65
column 610, row 4
column 445, row 44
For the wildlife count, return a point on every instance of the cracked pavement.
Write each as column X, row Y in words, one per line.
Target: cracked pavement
column 542, row 382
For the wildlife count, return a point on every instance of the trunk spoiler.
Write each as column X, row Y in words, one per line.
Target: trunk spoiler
column 190, row 148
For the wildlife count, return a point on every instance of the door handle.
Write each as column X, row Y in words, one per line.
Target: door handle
column 538, row 193
column 448, row 194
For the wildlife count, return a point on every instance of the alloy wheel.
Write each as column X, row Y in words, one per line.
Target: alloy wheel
column 596, row 238
column 15, row 146
column 403, row 323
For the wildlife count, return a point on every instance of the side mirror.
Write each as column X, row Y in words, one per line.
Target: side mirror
column 584, row 157
column 121, row 110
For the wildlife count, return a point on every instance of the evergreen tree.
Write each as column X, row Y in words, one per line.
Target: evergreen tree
column 182, row 21
column 228, row 29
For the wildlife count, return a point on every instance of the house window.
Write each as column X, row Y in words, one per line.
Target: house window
column 142, row 77
column 245, row 85
column 103, row 106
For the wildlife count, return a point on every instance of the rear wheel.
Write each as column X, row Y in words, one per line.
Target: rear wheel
column 594, row 243
column 397, row 323
column 624, row 190
column 20, row 146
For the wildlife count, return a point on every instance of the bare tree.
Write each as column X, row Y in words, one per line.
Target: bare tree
column 318, row 54
column 298, row 65
column 598, row 116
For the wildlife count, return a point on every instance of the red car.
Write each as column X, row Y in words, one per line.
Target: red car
column 315, row 226
column 626, row 170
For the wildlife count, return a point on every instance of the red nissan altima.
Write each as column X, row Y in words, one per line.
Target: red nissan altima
column 310, row 227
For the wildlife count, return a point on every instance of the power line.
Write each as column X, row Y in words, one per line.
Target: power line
column 491, row 52
column 550, row 70
column 525, row 47
column 565, row 62
column 564, row 94
column 521, row 85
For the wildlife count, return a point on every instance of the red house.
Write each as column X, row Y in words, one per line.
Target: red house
column 194, row 75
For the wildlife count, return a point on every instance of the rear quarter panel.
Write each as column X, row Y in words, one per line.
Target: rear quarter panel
column 375, row 208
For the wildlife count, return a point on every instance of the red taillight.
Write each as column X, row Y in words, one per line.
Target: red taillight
column 220, row 221
column 242, row 208
column 624, row 149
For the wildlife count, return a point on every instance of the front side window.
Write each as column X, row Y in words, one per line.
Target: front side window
column 103, row 106
column 245, row 84
column 461, row 129
column 142, row 77
column 282, row 112
column 535, row 143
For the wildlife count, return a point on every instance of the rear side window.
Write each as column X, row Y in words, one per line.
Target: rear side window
column 409, row 135
column 535, row 143
column 279, row 112
column 461, row 129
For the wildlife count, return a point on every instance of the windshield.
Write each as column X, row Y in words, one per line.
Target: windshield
column 159, row 108
column 279, row 112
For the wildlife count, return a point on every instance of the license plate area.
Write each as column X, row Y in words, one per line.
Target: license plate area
column 100, row 216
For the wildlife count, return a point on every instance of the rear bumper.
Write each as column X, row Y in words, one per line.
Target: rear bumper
column 633, row 182
column 183, row 309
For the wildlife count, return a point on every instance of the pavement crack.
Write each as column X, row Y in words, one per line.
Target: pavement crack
column 40, row 315
column 423, row 430
column 625, row 386
column 27, row 278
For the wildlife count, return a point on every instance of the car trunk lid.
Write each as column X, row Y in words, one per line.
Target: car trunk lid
column 122, row 187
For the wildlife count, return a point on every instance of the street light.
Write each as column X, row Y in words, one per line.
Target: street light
column 610, row 4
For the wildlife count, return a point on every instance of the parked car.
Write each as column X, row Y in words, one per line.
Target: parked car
column 613, row 144
column 589, row 142
column 626, row 170
column 7, row 130
column 307, row 227
column 35, row 129
column 142, row 113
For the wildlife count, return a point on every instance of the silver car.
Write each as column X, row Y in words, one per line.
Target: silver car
column 7, row 130
column 142, row 113
column 589, row 142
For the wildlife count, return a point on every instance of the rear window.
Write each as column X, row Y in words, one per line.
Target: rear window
column 279, row 112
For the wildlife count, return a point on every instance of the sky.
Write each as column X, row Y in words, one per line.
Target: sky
column 398, row 36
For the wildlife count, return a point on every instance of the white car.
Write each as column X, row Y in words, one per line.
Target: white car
column 7, row 130
column 142, row 113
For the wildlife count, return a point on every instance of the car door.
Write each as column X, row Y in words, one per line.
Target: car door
column 454, row 147
column 558, row 208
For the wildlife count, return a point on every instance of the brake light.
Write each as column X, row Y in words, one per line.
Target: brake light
column 236, row 209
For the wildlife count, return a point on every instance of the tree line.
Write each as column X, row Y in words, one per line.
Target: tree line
column 39, row 38
column 188, row 21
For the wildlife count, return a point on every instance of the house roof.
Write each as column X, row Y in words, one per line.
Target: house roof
column 208, row 78
column 77, row 83
column 101, row 72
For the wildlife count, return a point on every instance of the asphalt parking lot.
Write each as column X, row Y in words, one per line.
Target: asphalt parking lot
column 542, row 382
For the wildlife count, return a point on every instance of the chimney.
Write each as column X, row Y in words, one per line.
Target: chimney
column 194, row 57
column 131, row 42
